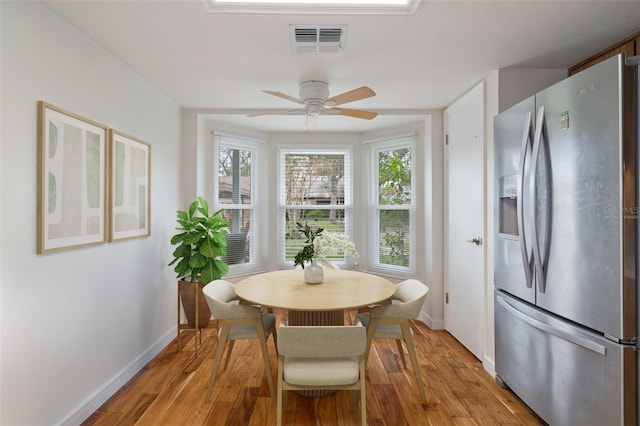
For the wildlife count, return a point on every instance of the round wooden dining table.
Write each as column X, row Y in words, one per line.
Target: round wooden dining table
column 315, row 304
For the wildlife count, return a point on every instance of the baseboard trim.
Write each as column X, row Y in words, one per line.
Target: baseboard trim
column 430, row 322
column 489, row 366
column 93, row 402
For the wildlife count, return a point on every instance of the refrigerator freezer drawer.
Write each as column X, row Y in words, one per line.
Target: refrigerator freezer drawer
column 567, row 375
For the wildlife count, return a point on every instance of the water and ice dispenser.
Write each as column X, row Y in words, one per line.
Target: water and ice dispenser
column 507, row 205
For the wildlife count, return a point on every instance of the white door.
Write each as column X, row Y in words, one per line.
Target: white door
column 464, row 220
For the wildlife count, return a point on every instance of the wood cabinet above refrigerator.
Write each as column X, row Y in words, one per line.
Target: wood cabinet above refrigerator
column 630, row 46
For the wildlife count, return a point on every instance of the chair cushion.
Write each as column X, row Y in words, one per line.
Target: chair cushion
column 240, row 332
column 321, row 371
column 383, row 331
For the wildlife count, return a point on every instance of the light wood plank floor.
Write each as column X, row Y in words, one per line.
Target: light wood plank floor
column 170, row 389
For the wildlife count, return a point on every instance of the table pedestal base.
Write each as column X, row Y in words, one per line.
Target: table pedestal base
column 316, row 318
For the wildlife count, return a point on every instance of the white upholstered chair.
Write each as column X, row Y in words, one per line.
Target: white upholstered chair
column 321, row 358
column 242, row 302
column 391, row 321
column 237, row 322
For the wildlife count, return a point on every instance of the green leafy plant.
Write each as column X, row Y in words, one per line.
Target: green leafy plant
column 398, row 255
column 308, row 252
column 201, row 241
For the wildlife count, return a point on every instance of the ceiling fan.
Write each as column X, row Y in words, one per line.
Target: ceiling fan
column 314, row 95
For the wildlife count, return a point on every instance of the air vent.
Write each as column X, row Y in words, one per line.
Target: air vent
column 318, row 39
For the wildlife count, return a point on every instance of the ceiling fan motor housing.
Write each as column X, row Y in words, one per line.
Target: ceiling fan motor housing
column 314, row 92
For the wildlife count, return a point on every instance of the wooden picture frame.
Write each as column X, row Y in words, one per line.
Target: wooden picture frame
column 72, row 170
column 129, row 187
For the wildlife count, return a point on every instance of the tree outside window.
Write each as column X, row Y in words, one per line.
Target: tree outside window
column 234, row 195
column 313, row 185
column 394, row 206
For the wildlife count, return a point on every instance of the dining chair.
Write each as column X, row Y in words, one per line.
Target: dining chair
column 391, row 321
column 237, row 322
column 242, row 301
column 321, row 358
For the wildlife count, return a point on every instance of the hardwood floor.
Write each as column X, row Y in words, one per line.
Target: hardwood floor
column 170, row 389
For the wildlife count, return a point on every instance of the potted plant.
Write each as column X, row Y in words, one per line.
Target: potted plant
column 201, row 241
column 319, row 247
column 307, row 253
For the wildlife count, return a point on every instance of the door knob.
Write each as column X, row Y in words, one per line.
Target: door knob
column 477, row 241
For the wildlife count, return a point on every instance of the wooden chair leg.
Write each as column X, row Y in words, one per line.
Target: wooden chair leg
column 401, row 352
column 280, row 393
column 267, row 365
column 363, row 395
column 275, row 338
column 228, row 357
column 370, row 331
column 414, row 360
column 222, row 340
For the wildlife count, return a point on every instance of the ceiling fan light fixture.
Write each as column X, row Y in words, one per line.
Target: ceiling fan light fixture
column 311, row 120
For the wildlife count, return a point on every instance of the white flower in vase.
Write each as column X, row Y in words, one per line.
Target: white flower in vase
column 332, row 244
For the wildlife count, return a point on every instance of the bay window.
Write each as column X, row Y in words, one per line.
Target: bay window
column 392, row 207
column 315, row 187
column 235, row 193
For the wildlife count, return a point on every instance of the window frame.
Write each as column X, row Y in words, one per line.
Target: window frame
column 373, row 264
column 251, row 145
column 347, row 206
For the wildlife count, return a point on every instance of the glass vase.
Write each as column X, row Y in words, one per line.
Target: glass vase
column 314, row 273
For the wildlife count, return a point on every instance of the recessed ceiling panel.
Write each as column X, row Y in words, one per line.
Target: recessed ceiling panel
column 342, row 7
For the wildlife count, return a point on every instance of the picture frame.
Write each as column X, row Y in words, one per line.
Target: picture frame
column 72, row 170
column 129, row 187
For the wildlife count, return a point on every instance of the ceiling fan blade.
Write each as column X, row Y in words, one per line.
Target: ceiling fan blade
column 272, row 112
column 357, row 113
column 353, row 95
column 300, row 111
column 283, row 96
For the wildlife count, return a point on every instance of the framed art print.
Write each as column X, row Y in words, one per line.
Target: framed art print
column 72, row 171
column 130, row 195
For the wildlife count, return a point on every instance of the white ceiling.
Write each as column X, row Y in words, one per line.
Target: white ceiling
column 222, row 61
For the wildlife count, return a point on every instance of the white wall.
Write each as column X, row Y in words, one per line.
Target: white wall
column 429, row 159
column 78, row 323
column 434, row 212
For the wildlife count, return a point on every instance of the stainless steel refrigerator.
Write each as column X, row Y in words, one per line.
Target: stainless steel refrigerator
column 566, row 248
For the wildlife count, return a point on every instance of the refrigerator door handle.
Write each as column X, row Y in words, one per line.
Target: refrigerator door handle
column 537, row 255
column 526, row 258
column 577, row 340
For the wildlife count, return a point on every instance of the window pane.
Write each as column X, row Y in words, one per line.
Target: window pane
column 394, row 176
column 313, row 179
column 234, row 175
column 239, row 237
column 394, row 237
column 330, row 220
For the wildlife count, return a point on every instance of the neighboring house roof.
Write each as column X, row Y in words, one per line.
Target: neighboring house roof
column 225, row 187
column 319, row 188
